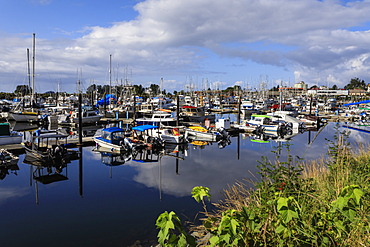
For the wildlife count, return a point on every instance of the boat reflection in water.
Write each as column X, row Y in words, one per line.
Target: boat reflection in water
column 8, row 162
column 113, row 158
column 222, row 143
column 45, row 172
column 267, row 136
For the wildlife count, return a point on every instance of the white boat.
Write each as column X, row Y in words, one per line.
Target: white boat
column 113, row 139
column 247, row 107
column 286, row 116
column 200, row 133
column 171, row 135
column 157, row 119
column 266, row 122
column 23, row 116
column 195, row 114
column 145, row 109
column 7, row 136
column 118, row 140
column 88, row 117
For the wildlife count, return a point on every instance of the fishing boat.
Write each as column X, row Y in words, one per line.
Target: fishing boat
column 146, row 135
column 49, row 148
column 195, row 114
column 8, row 136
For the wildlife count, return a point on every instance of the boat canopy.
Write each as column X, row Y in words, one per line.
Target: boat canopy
column 113, row 129
column 358, row 103
column 144, row 127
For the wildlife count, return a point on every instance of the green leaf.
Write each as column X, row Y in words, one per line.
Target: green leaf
column 357, row 195
column 225, row 238
column 182, row 241
column 288, row 215
column 282, row 202
column 280, row 229
column 161, row 237
column 199, row 192
column 234, row 224
column 340, row 203
column 214, row 240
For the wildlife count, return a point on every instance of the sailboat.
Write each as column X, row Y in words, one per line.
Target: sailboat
column 18, row 114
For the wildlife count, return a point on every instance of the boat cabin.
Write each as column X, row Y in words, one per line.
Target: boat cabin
column 113, row 135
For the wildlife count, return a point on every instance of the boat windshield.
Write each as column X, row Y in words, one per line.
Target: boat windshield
column 113, row 135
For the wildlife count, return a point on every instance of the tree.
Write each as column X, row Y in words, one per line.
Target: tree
column 91, row 89
column 22, row 89
column 313, row 87
column 154, row 89
column 356, row 83
column 335, row 87
column 138, row 90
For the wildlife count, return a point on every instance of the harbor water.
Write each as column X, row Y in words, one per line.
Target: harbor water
column 106, row 200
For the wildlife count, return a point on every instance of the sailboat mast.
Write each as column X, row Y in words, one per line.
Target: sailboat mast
column 110, row 80
column 33, row 68
column 28, row 68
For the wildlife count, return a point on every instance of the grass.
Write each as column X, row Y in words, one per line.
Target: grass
column 325, row 202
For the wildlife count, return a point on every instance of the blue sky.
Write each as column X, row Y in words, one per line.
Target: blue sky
column 187, row 43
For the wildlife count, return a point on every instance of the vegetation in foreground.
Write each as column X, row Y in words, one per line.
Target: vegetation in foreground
column 320, row 203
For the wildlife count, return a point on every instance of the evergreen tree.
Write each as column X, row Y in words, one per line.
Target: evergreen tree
column 356, row 83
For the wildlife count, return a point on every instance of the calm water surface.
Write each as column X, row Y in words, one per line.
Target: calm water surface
column 102, row 205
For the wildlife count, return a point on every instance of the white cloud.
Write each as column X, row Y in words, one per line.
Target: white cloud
column 169, row 38
column 7, row 193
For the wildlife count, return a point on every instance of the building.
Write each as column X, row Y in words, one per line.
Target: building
column 327, row 92
column 301, row 85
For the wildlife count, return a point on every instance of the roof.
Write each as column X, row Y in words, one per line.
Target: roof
column 144, row 127
column 113, row 129
column 358, row 103
column 188, row 106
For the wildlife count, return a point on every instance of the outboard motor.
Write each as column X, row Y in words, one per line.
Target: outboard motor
column 127, row 144
column 223, row 132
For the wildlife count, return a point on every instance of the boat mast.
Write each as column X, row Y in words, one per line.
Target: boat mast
column 110, row 80
column 33, row 69
column 281, row 96
column 28, row 68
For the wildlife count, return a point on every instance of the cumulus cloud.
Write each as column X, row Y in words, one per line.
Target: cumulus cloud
column 175, row 39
